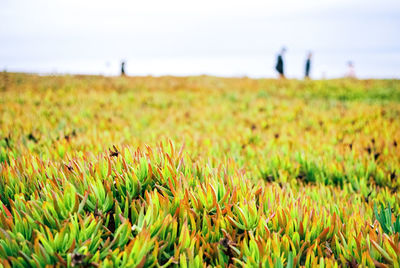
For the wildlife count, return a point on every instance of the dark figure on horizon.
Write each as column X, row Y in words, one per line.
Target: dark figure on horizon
column 123, row 68
column 279, row 64
column 308, row 66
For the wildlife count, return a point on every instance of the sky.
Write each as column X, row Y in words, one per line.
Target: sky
column 215, row 37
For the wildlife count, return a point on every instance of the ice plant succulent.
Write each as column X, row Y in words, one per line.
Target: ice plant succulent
column 199, row 171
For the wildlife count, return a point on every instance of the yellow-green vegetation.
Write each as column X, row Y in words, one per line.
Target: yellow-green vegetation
column 198, row 171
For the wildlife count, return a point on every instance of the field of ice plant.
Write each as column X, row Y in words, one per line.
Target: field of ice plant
column 198, row 171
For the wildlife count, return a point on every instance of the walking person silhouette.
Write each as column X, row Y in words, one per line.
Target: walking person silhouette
column 123, row 68
column 308, row 66
column 279, row 64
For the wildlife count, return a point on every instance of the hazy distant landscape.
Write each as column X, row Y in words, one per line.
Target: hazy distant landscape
column 256, row 66
column 180, row 38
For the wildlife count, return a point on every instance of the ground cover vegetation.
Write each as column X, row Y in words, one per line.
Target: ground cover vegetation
column 198, row 171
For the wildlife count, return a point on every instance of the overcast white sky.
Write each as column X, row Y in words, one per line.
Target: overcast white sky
column 219, row 37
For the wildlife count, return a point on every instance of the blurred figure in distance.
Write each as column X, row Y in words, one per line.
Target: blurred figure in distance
column 123, row 68
column 351, row 73
column 279, row 64
column 308, row 66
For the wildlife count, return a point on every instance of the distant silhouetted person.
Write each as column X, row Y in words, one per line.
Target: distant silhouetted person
column 308, row 66
column 351, row 73
column 279, row 64
column 123, row 68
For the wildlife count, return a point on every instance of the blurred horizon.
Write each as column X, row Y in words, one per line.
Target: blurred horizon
column 224, row 38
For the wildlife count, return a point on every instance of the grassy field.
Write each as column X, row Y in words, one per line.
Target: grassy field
column 198, row 171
